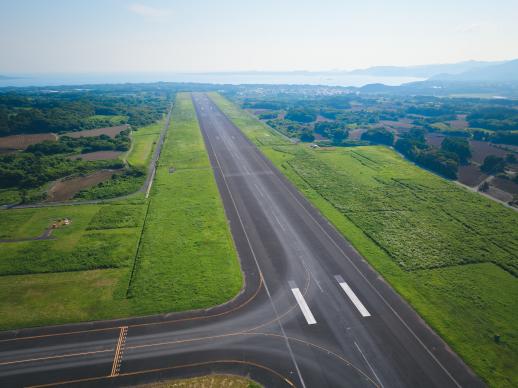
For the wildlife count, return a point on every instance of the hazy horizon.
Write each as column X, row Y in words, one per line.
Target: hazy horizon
column 124, row 36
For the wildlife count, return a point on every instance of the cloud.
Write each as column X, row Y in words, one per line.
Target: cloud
column 148, row 11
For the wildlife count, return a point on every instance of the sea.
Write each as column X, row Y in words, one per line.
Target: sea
column 294, row 78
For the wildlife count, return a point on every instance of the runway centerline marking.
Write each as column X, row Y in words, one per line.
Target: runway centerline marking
column 310, row 319
column 350, row 293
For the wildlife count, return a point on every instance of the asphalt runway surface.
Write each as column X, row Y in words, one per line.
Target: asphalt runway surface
column 312, row 313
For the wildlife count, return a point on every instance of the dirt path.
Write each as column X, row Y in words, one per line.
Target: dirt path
column 46, row 235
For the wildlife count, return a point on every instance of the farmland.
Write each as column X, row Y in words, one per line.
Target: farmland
column 416, row 126
column 66, row 189
column 98, row 155
column 441, row 247
column 108, row 131
column 21, row 142
column 83, row 272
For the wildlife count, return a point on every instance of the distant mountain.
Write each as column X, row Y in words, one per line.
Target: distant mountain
column 502, row 72
column 424, row 71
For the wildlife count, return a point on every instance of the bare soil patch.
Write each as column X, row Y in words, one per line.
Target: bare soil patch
column 434, row 139
column 109, row 131
column 356, row 134
column 97, row 155
column 505, row 185
column 459, row 123
column 500, row 194
column 21, row 142
column 404, row 124
column 321, row 118
column 65, row 189
column 481, row 149
column 471, row 175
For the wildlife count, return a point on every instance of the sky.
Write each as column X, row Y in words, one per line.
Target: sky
column 83, row 36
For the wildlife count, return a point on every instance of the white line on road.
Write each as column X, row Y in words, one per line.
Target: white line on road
column 350, row 293
column 302, row 304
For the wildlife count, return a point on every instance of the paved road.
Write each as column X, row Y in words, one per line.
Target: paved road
column 312, row 313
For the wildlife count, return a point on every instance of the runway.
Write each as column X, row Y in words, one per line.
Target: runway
column 313, row 313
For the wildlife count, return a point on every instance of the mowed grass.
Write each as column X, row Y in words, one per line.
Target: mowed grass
column 187, row 258
column 74, row 247
column 186, row 237
column 451, row 253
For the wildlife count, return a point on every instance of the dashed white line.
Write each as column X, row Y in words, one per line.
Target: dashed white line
column 350, row 293
column 310, row 319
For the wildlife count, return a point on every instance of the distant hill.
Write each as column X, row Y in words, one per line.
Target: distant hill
column 424, row 71
column 502, row 72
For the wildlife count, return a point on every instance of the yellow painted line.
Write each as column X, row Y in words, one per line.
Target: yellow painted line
column 280, row 337
column 240, row 362
column 117, row 358
column 144, row 324
column 55, row 357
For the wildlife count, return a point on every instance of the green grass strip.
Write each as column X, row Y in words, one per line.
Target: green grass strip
column 186, row 242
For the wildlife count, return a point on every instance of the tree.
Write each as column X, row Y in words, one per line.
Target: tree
column 379, row 136
column 493, row 164
column 301, row 115
column 458, row 146
column 510, row 158
column 484, row 187
column 339, row 135
column 439, row 161
column 307, row 136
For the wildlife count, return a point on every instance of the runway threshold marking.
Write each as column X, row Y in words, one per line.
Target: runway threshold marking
column 117, row 359
column 350, row 293
column 310, row 319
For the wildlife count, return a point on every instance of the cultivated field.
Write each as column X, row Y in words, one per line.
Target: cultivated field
column 481, row 149
column 98, row 155
column 65, row 189
column 506, row 185
column 471, row 175
column 108, row 131
column 21, row 142
column 443, row 248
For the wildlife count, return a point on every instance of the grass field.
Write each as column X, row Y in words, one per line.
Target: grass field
column 214, row 381
column 451, row 253
column 186, row 236
column 143, row 144
column 84, row 272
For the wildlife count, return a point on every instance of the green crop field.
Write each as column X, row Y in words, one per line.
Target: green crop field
column 450, row 252
column 84, row 271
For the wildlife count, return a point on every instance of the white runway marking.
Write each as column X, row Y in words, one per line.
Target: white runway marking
column 310, row 319
column 350, row 293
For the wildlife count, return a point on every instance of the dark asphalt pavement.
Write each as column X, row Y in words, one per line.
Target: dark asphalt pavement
column 313, row 313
